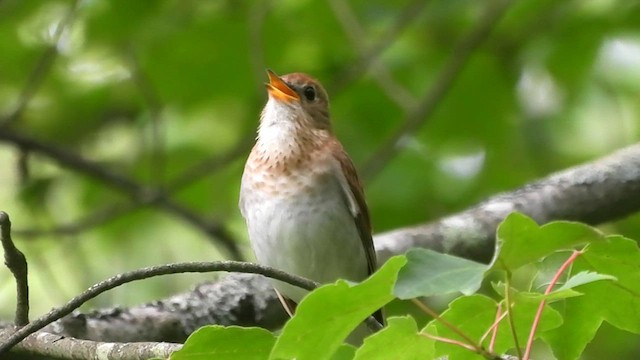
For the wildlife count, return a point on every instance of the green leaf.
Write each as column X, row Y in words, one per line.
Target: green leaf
column 399, row 340
column 328, row 314
column 499, row 288
column 344, row 352
column 428, row 273
column 219, row 342
column 522, row 241
column 583, row 278
column 616, row 302
column 473, row 315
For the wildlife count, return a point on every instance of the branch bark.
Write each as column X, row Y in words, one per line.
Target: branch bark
column 45, row 345
column 145, row 273
column 603, row 190
column 16, row 262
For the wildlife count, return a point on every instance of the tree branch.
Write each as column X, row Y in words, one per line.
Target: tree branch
column 139, row 193
column 48, row 345
column 16, row 262
column 41, row 70
column 145, row 273
column 367, row 57
column 235, row 299
column 113, row 211
column 460, row 55
column 603, row 190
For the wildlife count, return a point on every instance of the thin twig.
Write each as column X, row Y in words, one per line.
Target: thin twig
column 460, row 55
column 256, row 17
column 208, row 166
column 355, row 31
column 510, row 316
column 138, row 192
column 493, row 329
column 116, row 210
column 475, row 346
column 41, row 69
column 17, row 264
column 97, row 218
column 148, row 272
column 370, row 56
column 536, row 319
column 449, row 341
column 152, row 99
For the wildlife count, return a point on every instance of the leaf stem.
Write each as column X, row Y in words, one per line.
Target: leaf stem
column 470, row 344
column 493, row 329
column 536, row 319
column 512, row 325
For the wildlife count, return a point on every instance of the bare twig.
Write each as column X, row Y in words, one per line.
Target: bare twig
column 145, row 273
column 432, row 98
column 208, row 166
column 99, row 217
column 370, row 56
column 138, row 192
column 41, row 69
column 151, row 98
column 468, row 341
column 257, row 14
column 367, row 57
column 113, row 211
column 17, row 263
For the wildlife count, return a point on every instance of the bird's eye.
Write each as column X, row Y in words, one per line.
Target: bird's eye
column 309, row 93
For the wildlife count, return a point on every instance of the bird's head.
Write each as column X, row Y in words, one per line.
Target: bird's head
column 297, row 97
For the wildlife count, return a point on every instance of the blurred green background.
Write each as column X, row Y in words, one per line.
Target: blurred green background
column 152, row 90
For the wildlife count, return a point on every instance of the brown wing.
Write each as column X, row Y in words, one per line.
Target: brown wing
column 355, row 200
column 288, row 304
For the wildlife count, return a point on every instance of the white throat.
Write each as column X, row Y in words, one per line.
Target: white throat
column 278, row 126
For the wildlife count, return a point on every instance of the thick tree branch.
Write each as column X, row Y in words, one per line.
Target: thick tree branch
column 235, row 299
column 42, row 344
column 597, row 192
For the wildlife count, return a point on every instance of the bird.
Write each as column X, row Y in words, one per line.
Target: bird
column 300, row 195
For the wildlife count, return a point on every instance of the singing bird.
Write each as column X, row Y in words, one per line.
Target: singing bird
column 300, row 194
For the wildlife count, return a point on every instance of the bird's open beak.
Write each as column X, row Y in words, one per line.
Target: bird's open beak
column 279, row 89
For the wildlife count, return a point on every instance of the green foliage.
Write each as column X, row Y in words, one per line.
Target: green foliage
column 600, row 283
column 616, row 302
column 534, row 242
column 398, row 340
column 447, row 274
column 323, row 321
column 220, row 343
column 152, row 90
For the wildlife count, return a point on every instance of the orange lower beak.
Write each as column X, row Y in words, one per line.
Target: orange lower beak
column 279, row 89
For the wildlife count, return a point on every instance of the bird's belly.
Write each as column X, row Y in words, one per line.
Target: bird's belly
column 311, row 235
